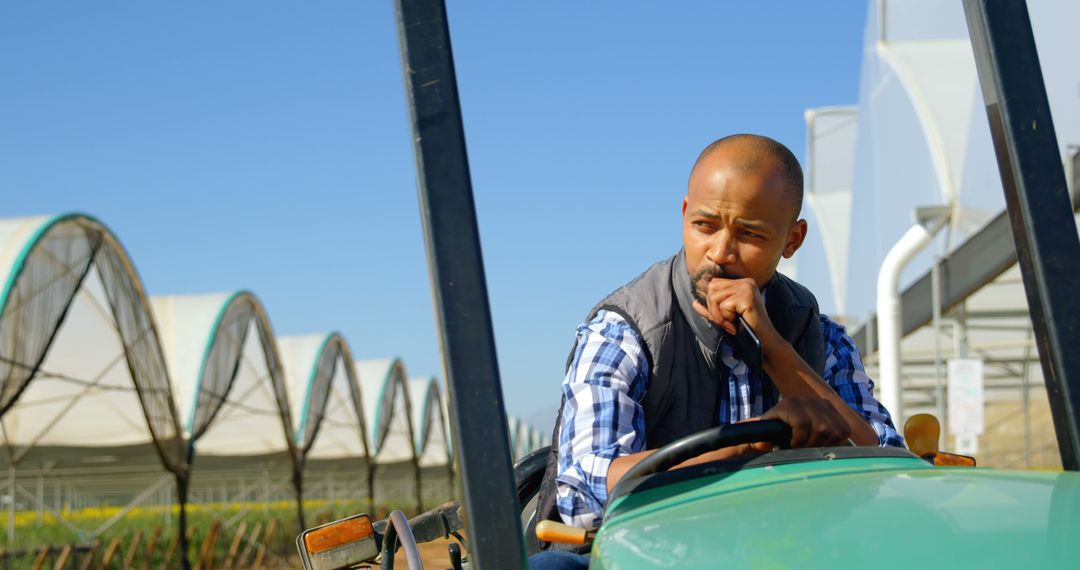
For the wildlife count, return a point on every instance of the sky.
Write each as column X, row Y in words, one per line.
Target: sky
column 266, row 146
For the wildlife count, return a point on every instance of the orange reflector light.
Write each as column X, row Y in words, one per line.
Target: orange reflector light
column 943, row 459
column 338, row 534
column 921, row 432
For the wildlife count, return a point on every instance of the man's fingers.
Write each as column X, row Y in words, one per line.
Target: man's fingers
column 729, row 310
column 727, row 299
column 741, row 293
column 703, row 311
column 828, row 427
column 793, row 417
column 843, row 431
column 819, row 428
column 800, row 428
column 814, row 422
column 821, row 434
column 716, row 318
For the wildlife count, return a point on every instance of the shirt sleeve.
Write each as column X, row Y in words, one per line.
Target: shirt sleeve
column 602, row 417
column 844, row 372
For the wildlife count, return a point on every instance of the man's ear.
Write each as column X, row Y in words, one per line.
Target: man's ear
column 795, row 238
column 684, row 206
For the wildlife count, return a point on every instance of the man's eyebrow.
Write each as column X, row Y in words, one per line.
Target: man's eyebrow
column 751, row 224
column 706, row 214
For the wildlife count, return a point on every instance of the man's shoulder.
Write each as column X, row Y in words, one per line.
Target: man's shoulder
column 835, row 334
column 654, row 274
column 795, row 293
column 603, row 320
column 644, row 299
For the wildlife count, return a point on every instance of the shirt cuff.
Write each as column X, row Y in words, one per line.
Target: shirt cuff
column 581, row 491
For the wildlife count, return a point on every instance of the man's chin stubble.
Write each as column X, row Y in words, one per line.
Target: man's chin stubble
column 703, row 277
column 698, row 296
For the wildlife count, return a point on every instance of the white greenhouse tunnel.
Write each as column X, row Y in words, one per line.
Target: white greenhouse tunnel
column 88, row 357
column 429, row 423
column 513, row 429
column 328, row 416
column 524, row 438
column 918, row 144
column 325, row 395
column 230, row 389
column 389, row 412
column 830, row 153
column 229, row 383
column 917, row 136
column 432, row 437
column 112, row 397
column 80, row 359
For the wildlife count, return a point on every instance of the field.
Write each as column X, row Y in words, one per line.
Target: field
column 236, row 535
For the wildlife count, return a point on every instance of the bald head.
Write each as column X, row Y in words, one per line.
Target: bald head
column 754, row 154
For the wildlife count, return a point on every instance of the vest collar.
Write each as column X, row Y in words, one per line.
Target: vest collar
column 777, row 301
column 707, row 334
column 788, row 314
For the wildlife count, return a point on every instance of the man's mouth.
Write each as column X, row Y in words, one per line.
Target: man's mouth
column 699, row 284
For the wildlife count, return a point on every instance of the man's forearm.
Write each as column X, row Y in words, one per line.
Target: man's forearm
column 794, row 377
column 620, row 465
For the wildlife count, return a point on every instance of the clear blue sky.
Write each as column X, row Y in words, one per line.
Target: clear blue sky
column 265, row 145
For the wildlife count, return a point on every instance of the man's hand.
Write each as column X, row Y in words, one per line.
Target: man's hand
column 814, row 422
column 815, row 412
column 729, row 298
column 620, row 465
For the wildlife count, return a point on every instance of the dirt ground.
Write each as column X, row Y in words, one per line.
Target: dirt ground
column 433, row 554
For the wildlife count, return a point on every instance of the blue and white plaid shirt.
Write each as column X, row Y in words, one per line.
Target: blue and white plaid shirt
column 603, row 418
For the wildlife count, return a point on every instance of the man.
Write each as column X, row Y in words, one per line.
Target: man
column 654, row 361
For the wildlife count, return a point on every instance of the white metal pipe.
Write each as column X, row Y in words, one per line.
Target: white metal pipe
column 889, row 313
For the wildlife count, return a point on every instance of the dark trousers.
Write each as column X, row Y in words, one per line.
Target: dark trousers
column 556, row 560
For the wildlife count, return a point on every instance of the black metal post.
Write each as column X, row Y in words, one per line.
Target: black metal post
column 457, row 272
column 371, row 485
column 1037, row 198
column 298, row 487
column 417, row 484
column 183, row 482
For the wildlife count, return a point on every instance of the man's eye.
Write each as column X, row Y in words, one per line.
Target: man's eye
column 751, row 235
column 705, row 226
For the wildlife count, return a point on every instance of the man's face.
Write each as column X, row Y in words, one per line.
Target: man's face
column 737, row 223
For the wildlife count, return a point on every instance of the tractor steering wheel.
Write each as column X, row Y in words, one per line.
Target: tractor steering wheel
column 772, row 431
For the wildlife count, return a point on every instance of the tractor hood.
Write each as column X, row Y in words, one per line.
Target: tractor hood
column 883, row 512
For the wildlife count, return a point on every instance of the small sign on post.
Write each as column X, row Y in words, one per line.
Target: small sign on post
column 966, row 403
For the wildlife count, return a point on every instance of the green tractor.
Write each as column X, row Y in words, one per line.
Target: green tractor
column 797, row 508
column 834, row 507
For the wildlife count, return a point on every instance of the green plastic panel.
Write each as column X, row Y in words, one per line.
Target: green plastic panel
column 873, row 513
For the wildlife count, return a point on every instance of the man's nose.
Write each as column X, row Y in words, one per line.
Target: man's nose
column 721, row 249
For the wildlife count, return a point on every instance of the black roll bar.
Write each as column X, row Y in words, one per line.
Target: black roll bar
column 457, row 275
column 1037, row 199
